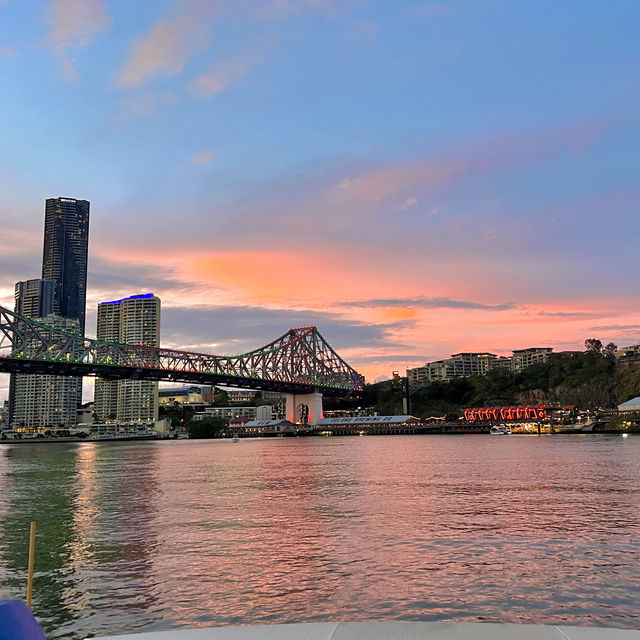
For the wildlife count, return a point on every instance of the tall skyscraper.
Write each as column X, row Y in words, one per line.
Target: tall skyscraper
column 38, row 401
column 133, row 320
column 64, row 261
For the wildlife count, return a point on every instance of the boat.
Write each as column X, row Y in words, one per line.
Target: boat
column 235, row 438
column 501, row 430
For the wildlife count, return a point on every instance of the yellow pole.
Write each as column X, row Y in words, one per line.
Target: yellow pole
column 32, row 553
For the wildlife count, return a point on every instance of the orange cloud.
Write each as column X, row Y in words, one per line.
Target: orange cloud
column 316, row 280
column 398, row 314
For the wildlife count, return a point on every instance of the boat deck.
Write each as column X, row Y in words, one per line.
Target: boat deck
column 390, row 631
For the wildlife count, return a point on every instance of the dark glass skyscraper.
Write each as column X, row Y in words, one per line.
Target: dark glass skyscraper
column 64, row 260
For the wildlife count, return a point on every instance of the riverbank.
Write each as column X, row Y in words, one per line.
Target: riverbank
column 440, row 429
column 71, row 439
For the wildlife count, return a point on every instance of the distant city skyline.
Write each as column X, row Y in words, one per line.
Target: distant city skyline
column 415, row 178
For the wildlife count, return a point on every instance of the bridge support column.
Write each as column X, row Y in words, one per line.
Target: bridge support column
column 295, row 404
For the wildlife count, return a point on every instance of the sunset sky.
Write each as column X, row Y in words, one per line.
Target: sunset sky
column 414, row 178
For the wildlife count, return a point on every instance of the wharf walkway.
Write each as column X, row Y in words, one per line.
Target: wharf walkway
column 390, row 631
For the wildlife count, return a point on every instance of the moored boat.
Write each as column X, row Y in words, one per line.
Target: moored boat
column 500, row 430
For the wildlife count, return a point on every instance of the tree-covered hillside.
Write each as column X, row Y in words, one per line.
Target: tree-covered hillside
column 590, row 380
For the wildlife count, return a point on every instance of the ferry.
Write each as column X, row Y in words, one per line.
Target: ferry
column 501, row 430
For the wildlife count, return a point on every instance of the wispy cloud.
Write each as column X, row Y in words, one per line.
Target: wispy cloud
column 74, row 25
column 168, row 44
column 617, row 327
column 147, row 104
column 204, row 157
column 222, row 74
column 409, row 202
column 433, row 9
column 569, row 314
column 427, row 303
column 6, row 51
column 273, row 9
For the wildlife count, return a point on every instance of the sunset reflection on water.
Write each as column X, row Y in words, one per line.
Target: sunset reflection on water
column 162, row 535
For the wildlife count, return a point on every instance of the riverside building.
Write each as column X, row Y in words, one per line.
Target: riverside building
column 523, row 358
column 132, row 320
column 39, row 401
column 34, row 298
column 465, row 365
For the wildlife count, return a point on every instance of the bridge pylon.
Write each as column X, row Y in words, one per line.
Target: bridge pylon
column 295, row 407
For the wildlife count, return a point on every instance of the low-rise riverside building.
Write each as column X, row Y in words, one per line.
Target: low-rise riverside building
column 239, row 396
column 368, row 424
column 627, row 357
column 630, row 406
column 227, row 413
column 110, row 430
column 263, row 412
column 257, row 428
column 191, row 395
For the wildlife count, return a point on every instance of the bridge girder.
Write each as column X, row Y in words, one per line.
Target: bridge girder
column 299, row 361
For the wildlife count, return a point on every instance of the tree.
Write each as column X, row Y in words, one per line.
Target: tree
column 177, row 414
column 206, row 428
column 593, row 344
column 610, row 350
column 220, row 396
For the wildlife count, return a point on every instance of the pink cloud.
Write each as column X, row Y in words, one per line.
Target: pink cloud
column 204, row 157
column 222, row 74
column 74, row 25
column 168, row 44
column 413, row 309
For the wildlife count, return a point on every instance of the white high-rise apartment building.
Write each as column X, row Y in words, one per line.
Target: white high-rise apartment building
column 132, row 320
column 42, row 401
column 523, row 358
column 465, row 365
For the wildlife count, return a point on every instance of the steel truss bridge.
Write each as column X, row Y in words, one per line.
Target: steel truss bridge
column 300, row 361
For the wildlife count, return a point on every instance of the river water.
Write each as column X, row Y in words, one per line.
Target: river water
column 162, row 535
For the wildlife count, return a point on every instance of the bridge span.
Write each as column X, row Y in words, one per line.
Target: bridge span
column 300, row 363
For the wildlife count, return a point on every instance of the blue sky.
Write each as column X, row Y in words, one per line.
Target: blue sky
column 269, row 159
